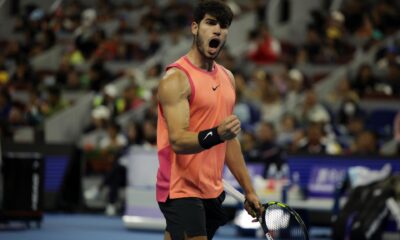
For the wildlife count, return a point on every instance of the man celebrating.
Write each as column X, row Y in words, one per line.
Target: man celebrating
column 197, row 132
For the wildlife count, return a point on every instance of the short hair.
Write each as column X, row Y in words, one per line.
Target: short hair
column 215, row 8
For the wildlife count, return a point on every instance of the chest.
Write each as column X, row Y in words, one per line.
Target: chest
column 213, row 92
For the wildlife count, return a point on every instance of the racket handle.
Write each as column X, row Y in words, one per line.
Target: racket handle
column 233, row 192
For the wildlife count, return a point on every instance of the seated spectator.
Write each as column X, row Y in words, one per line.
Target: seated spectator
column 54, row 102
column 287, row 131
column 73, row 80
column 24, row 76
column 390, row 84
column 130, row 98
column 33, row 115
column 295, row 88
column 310, row 110
column 110, row 99
column 315, row 142
column 365, row 81
column 111, row 147
column 348, row 132
column 348, row 109
column 366, row 143
column 271, row 106
column 97, row 130
column 98, row 76
column 312, row 45
column 116, row 178
column 266, row 150
column 115, row 141
column 247, row 142
column 88, row 36
column 341, row 93
column 263, row 47
column 16, row 118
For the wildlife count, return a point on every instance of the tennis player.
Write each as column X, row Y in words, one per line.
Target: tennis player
column 196, row 133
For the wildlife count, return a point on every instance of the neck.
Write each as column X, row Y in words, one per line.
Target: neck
column 197, row 59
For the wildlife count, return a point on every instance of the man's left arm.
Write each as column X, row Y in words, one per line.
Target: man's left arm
column 236, row 164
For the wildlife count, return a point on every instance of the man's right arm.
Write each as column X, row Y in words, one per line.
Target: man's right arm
column 173, row 94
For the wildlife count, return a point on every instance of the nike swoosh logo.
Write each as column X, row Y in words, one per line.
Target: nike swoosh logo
column 215, row 88
column 208, row 134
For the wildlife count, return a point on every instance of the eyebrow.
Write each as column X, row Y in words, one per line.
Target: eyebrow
column 211, row 19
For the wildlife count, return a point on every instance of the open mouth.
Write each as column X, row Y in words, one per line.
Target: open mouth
column 214, row 43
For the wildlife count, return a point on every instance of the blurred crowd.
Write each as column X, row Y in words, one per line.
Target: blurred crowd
column 278, row 109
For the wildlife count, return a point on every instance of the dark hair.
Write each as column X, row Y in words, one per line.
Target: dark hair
column 215, row 8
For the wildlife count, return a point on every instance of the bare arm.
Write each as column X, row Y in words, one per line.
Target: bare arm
column 236, row 164
column 173, row 94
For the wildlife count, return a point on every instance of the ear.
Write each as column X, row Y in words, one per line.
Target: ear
column 195, row 28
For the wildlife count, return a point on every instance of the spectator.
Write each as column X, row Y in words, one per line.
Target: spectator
column 391, row 84
column 108, row 48
column 312, row 45
column 266, row 150
column 16, row 117
column 365, row 81
column 54, row 102
column 271, row 105
column 315, row 141
column 97, row 130
column 73, row 81
column 24, row 76
column 98, row 76
column 134, row 133
column 111, row 147
column 150, row 132
column 310, row 110
column 287, row 131
column 88, row 36
column 340, row 94
column 130, row 98
column 263, row 47
column 115, row 141
column 348, row 132
column 248, row 143
column 246, row 111
column 294, row 93
column 109, row 98
column 33, row 115
column 348, row 110
column 365, row 144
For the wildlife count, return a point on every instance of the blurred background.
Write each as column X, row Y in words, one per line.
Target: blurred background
column 318, row 96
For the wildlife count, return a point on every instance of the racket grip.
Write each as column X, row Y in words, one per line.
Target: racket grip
column 233, row 192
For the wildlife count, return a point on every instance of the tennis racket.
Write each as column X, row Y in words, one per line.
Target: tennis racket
column 278, row 220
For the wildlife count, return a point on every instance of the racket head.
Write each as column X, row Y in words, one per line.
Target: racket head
column 281, row 222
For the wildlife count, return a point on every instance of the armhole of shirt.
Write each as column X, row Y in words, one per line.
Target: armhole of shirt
column 192, row 88
column 230, row 80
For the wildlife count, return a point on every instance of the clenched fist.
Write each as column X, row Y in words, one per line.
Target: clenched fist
column 229, row 128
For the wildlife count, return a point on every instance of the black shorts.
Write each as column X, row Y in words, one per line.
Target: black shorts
column 193, row 216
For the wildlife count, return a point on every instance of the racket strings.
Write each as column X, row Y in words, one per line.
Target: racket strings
column 282, row 224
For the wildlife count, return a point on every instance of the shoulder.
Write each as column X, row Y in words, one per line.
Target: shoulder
column 174, row 77
column 229, row 74
column 174, row 82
